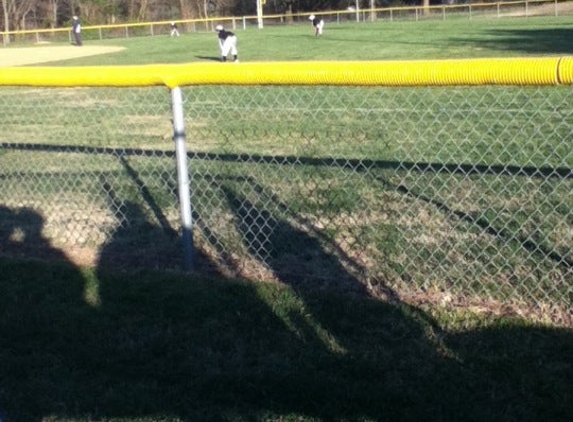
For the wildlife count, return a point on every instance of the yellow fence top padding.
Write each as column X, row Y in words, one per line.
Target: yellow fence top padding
column 495, row 71
column 565, row 70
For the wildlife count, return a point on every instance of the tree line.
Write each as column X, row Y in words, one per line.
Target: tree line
column 38, row 14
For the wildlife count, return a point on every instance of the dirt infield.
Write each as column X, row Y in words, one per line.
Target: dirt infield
column 33, row 55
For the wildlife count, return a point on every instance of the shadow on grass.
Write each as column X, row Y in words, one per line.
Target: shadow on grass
column 155, row 244
column 487, row 227
column 529, row 41
column 100, row 345
column 211, row 58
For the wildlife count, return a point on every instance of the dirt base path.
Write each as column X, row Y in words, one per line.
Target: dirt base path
column 33, row 55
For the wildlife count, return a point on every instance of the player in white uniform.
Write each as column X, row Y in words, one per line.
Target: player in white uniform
column 318, row 25
column 174, row 30
column 227, row 43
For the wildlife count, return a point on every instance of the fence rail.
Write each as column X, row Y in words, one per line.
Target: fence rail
column 525, row 8
column 447, row 190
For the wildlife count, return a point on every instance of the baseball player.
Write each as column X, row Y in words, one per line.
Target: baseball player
column 318, row 24
column 227, row 43
column 77, row 30
column 174, row 30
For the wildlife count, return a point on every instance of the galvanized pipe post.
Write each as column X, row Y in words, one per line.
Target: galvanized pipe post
column 183, row 178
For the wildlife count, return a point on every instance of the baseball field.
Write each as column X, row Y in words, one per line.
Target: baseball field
column 290, row 183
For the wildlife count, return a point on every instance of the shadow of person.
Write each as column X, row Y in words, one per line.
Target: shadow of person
column 144, row 237
column 396, row 362
column 42, row 310
column 212, row 58
column 206, row 349
column 161, row 346
column 516, row 371
column 21, row 234
column 296, row 257
column 137, row 242
column 167, row 345
column 366, row 360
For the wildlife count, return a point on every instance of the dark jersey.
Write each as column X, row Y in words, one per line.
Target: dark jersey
column 224, row 34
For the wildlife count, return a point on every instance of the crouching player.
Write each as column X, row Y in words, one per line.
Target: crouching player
column 227, row 43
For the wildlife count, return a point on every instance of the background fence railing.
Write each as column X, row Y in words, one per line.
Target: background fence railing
column 525, row 8
column 457, row 191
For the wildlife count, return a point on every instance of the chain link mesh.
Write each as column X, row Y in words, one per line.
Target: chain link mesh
column 457, row 190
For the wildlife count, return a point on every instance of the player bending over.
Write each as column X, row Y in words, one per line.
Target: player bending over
column 318, row 25
column 227, row 43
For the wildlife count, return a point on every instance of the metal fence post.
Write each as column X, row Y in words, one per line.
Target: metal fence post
column 182, row 177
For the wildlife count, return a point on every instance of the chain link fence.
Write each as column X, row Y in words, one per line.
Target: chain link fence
column 434, row 193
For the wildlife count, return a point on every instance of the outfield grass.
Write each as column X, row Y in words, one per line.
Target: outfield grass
column 382, row 40
column 361, row 164
column 86, row 345
column 93, row 344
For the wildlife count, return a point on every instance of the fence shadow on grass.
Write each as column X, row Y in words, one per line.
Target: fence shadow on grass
column 348, row 163
column 80, row 345
column 157, row 243
column 502, row 233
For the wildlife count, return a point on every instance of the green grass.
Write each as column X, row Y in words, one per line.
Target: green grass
column 97, row 345
column 87, row 345
column 382, row 40
column 296, row 155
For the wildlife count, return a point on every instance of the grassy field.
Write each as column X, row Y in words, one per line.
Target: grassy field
column 86, row 345
column 91, row 344
column 382, row 40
